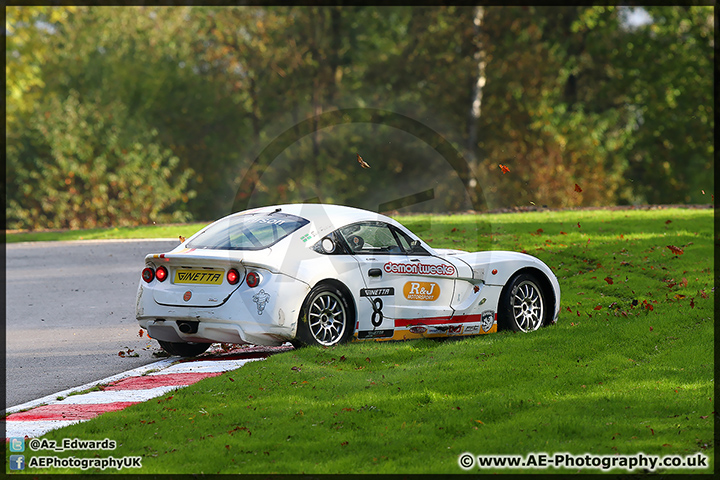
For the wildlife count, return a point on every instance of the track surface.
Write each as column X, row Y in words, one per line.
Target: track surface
column 70, row 309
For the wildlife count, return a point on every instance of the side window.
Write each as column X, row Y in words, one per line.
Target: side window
column 407, row 243
column 336, row 246
column 371, row 237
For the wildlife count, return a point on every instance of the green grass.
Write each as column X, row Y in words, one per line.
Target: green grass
column 148, row 231
column 629, row 368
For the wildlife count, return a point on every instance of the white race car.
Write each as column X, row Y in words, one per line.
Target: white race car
column 318, row 274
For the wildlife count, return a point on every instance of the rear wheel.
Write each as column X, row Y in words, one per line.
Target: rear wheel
column 523, row 304
column 184, row 349
column 327, row 317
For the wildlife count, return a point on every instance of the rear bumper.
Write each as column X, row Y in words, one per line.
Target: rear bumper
column 210, row 332
column 266, row 315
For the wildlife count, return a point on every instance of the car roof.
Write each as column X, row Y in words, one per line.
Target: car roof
column 326, row 217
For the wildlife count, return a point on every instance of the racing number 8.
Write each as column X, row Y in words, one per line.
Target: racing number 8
column 377, row 315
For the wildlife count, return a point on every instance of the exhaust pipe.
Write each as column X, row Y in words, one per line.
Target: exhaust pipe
column 188, row 327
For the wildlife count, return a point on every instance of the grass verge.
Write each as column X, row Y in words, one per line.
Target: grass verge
column 629, row 368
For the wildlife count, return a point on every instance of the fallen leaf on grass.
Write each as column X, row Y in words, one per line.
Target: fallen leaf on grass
column 668, row 221
column 599, row 307
column 675, row 250
column 609, row 280
column 577, row 188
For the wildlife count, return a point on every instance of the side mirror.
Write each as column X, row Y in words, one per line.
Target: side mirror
column 415, row 246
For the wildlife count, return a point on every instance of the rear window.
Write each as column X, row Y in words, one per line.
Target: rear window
column 253, row 231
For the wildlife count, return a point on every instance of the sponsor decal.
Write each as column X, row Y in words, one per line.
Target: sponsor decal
column 471, row 329
column 434, row 330
column 455, row 329
column 377, row 292
column 365, row 334
column 488, row 319
column 425, row 291
column 187, row 296
column 417, row 268
column 194, row 276
column 418, row 329
column 261, row 299
column 308, row 236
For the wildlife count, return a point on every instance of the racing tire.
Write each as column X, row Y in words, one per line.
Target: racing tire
column 524, row 305
column 326, row 318
column 184, row 349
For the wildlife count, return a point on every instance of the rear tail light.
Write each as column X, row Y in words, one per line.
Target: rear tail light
column 148, row 274
column 161, row 274
column 252, row 279
column 233, row 276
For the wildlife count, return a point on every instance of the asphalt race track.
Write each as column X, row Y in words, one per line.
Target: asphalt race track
column 70, row 309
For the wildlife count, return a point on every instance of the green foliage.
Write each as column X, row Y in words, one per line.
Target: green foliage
column 572, row 95
column 82, row 164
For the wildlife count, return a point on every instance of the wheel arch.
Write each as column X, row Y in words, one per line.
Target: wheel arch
column 340, row 286
column 545, row 284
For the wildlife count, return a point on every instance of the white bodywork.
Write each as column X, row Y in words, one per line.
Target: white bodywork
column 440, row 293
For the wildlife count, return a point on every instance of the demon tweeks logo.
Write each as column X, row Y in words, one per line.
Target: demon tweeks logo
column 418, row 268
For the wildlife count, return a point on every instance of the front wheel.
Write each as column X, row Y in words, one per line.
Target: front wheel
column 523, row 305
column 326, row 318
column 184, row 349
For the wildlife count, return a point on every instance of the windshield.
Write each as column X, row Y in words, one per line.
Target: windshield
column 253, row 231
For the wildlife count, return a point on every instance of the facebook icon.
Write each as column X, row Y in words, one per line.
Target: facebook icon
column 17, row 462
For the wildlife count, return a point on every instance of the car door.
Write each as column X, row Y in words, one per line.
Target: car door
column 404, row 287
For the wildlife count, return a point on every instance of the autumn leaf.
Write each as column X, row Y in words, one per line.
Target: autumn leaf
column 668, row 221
column 578, row 224
column 141, row 332
column 577, row 188
column 609, row 280
column 599, row 307
column 675, row 250
column 692, row 302
column 454, row 229
column 182, row 239
column 562, row 233
column 503, row 168
column 362, row 162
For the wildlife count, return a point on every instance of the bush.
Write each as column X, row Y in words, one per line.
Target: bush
column 77, row 163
